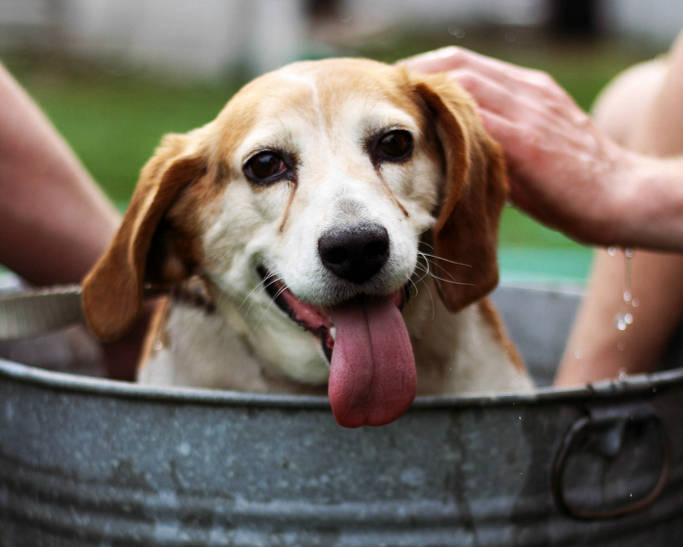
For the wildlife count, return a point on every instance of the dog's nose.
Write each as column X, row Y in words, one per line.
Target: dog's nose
column 355, row 253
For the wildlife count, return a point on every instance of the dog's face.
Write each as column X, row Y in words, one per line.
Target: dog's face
column 304, row 206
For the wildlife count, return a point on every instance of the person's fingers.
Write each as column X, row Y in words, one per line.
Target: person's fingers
column 452, row 57
column 487, row 93
column 500, row 128
column 518, row 151
column 438, row 60
column 522, row 144
column 518, row 103
column 507, row 74
column 528, row 97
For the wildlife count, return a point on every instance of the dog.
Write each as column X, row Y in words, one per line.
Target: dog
column 340, row 217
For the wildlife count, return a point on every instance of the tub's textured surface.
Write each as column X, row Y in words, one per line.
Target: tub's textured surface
column 90, row 462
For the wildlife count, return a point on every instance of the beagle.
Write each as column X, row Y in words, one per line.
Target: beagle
column 342, row 217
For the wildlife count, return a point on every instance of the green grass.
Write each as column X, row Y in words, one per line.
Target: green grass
column 114, row 128
column 529, row 250
column 114, row 118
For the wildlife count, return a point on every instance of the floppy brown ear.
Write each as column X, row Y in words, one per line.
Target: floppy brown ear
column 466, row 229
column 112, row 290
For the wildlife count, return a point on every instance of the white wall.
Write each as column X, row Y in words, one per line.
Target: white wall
column 656, row 20
column 435, row 12
column 206, row 37
column 201, row 37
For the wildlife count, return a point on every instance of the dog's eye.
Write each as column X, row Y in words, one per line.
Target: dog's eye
column 396, row 146
column 265, row 167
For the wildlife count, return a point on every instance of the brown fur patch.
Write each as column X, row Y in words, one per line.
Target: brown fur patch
column 110, row 313
column 466, row 229
column 490, row 315
column 157, row 335
column 288, row 207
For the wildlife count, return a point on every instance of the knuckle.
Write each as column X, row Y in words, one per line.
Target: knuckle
column 452, row 52
column 451, row 57
column 544, row 79
column 466, row 78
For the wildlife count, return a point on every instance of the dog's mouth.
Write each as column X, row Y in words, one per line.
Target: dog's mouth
column 313, row 319
column 372, row 368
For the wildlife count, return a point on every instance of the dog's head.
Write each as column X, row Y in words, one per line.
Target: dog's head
column 303, row 206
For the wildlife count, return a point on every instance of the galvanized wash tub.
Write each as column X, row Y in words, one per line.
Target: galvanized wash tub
column 85, row 461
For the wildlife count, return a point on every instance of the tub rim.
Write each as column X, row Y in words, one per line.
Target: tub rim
column 650, row 383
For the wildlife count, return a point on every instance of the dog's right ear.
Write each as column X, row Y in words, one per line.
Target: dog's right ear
column 466, row 229
column 112, row 290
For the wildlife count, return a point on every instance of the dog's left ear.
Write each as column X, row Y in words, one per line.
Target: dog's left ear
column 112, row 290
column 466, row 229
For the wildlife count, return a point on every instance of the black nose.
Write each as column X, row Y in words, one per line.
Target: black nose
column 355, row 253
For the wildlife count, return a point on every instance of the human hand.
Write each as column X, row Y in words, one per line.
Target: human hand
column 563, row 170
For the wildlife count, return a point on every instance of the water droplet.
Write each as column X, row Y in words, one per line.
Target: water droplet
column 456, row 32
column 627, row 296
column 622, row 374
column 628, row 318
column 620, row 322
column 628, row 253
column 578, row 354
column 635, row 302
column 611, row 251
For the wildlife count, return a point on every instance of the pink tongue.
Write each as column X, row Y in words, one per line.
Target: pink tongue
column 372, row 372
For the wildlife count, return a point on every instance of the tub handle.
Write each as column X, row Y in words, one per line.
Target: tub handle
column 603, row 417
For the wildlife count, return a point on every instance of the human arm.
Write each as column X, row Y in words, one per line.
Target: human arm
column 564, row 170
column 640, row 109
column 54, row 220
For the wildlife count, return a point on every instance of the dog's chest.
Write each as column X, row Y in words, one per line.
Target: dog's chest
column 454, row 353
column 191, row 347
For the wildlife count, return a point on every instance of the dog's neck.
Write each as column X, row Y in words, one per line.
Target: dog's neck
column 454, row 352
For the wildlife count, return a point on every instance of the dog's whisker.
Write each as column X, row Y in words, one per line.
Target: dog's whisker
column 413, row 288
column 432, row 304
column 261, row 311
column 245, row 300
column 420, row 278
column 436, row 257
column 271, row 280
column 271, row 305
column 279, row 293
column 441, row 270
column 266, row 282
column 445, row 272
column 422, row 266
column 452, row 281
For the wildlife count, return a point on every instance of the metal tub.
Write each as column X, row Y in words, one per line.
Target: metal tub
column 86, row 461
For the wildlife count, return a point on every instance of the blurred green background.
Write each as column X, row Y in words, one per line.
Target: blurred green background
column 113, row 114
